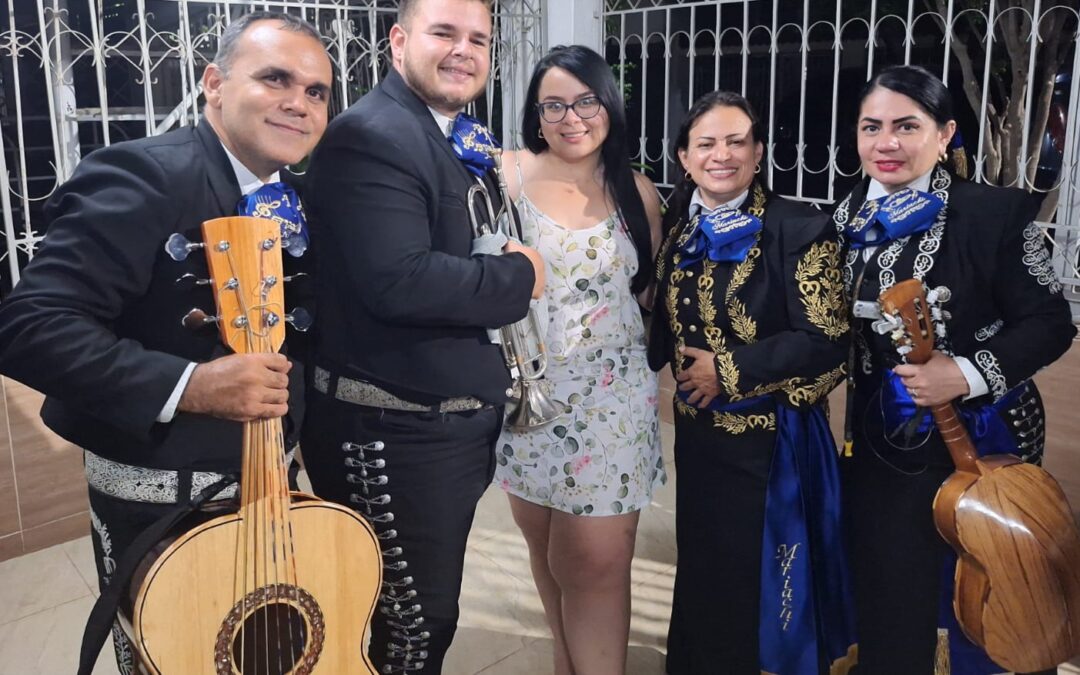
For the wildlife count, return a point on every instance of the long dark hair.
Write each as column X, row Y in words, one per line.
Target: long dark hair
column 593, row 71
column 685, row 185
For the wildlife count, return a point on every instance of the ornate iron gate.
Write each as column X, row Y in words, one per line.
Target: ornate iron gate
column 1014, row 67
column 76, row 75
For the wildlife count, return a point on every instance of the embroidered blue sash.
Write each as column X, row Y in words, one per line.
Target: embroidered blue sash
column 280, row 203
column 473, row 144
column 985, row 424
column 806, row 602
column 726, row 235
column 901, row 214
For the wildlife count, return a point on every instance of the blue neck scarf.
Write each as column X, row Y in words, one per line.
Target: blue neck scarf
column 901, row 214
column 473, row 144
column 280, row 203
column 725, row 235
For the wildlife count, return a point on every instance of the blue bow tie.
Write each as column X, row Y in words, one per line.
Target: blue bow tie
column 901, row 214
column 725, row 235
column 280, row 203
column 473, row 144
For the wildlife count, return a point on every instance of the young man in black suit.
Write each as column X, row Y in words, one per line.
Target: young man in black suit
column 408, row 392
column 95, row 323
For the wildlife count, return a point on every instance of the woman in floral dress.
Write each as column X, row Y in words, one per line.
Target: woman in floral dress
column 576, row 486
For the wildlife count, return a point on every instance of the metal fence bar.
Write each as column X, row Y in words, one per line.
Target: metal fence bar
column 789, row 89
column 106, row 76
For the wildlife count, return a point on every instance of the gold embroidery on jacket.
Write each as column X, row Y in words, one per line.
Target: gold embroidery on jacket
column 821, row 288
column 685, row 408
column 737, row 424
column 741, row 323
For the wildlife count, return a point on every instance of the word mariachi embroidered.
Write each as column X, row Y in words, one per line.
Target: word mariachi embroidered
column 786, row 556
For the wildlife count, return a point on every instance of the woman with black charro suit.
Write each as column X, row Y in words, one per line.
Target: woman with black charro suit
column 1008, row 319
column 749, row 312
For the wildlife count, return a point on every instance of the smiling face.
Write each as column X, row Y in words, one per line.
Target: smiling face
column 270, row 108
column 572, row 138
column 721, row 154
column 898, row 140
column 443, row 51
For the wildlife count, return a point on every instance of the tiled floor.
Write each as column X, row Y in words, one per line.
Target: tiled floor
column 46, row 596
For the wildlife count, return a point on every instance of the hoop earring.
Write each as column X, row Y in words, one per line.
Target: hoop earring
column 757, row 169
column 687, row 177
column 539, row 132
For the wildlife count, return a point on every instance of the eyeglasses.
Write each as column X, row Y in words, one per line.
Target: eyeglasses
column 554, row 112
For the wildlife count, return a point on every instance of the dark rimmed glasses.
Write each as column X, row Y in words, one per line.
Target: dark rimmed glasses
column 554, row 112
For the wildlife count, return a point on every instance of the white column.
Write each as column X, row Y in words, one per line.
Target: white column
column 575, row 22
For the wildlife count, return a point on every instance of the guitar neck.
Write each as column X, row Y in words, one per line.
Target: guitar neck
column 956, row 437
column 265, row 476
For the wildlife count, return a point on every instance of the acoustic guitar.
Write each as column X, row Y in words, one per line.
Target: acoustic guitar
column 1017, row 579
column 288, row 584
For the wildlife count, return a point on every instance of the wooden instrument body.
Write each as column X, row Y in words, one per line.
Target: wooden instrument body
column 189, row 590
column 287, row 584
column 1017, row 580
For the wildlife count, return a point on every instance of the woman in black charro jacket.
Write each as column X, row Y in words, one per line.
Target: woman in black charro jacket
column 1004, row 320
column 749, row 312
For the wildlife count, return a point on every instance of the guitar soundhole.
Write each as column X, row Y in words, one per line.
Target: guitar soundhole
column 271, row 641
column 274, row 630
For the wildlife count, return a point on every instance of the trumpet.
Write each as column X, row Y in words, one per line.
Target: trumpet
column 522, row 342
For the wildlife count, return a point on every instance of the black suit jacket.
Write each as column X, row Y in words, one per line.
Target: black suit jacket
column 401, row 302
column 95, row 321
column 1007, row 314
column 775, row 322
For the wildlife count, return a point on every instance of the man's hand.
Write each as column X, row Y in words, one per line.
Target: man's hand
column 537, row 262
column 700, row 377
column 240, row 387
column 937, row 381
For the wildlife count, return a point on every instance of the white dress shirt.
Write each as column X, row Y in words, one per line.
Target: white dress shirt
column 697, row 204
column 248, row 183
column 445, row 124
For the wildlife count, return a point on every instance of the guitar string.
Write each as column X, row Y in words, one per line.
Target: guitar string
column 270, row 504
column 279, row 499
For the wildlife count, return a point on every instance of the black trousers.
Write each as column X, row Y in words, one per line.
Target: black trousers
column 719, row 520
column 419, row 490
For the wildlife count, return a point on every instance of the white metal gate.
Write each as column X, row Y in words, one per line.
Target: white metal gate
column 802, row 63
column 80, row 74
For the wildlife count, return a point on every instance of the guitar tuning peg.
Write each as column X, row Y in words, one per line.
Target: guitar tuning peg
column 294, row 245
column 294, row 277
column 940, row 295
column 190, row 281
column 300, row 319
column 179, row 247
column 197, row 318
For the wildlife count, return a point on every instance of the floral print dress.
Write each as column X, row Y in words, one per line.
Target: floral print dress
column 603, row 458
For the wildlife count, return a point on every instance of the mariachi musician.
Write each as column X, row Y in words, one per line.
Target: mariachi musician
column 1004, row 320
column 749, row 311
column 95, row 323
column 408, row 391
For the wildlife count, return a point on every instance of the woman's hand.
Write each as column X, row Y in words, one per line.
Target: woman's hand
column 700, row 377
column 937, row 381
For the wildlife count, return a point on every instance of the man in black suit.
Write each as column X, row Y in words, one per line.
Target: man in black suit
column 407, row 390
column 95, row 323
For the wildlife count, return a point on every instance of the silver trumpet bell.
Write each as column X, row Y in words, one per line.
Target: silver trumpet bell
column 522, row 342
